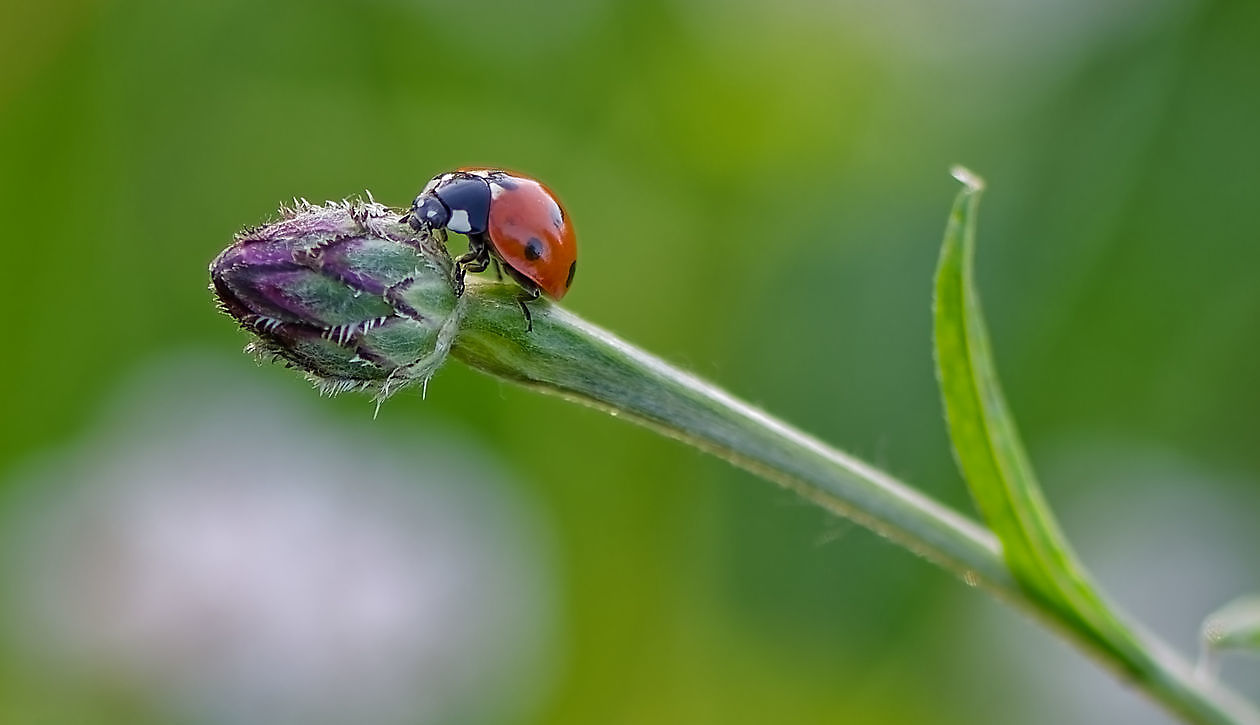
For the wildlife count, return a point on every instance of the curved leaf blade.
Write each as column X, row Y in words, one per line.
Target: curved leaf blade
column 986, row 441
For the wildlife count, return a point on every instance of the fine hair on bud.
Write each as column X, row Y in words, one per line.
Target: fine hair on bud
column 344, row 292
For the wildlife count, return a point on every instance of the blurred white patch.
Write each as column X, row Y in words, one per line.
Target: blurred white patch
column 1169, row 540
column 237, row 556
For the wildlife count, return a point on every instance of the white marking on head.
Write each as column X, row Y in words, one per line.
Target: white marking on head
column 496, row 190
column 459, row 221
column 483, row 173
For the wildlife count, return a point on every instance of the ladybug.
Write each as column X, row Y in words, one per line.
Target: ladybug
column 509, row 219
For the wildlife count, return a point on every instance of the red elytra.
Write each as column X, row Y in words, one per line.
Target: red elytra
column 530, row 230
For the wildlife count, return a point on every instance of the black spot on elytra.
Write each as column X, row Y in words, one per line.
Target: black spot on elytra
column 572, row 268
column 533, row 249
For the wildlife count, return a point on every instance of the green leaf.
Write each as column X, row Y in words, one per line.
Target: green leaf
column 1234, row 626
column 987, row 444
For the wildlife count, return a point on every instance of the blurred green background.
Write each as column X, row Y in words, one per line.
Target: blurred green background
column 759, row 190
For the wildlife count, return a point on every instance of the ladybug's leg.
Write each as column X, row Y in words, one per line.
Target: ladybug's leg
column 476, row 259
column 474, row 263
column 498, row 268
column 528, row 294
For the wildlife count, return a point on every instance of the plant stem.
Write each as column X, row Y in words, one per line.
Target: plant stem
column 569, row 357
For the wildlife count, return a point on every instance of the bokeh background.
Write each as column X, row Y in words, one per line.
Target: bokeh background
column 759, row 189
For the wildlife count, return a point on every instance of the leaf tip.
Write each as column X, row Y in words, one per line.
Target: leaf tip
column 968, row 177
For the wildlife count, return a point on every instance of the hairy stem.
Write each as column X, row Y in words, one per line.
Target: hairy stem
column 569, row 357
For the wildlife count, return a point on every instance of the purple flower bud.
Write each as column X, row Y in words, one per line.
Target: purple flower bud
column 344, row 292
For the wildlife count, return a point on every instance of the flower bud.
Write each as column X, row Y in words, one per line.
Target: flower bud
column 344, row 292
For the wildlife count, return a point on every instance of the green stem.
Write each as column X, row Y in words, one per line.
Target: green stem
column 569, row 357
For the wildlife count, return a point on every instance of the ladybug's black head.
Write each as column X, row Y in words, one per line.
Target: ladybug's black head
column 428, row 211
